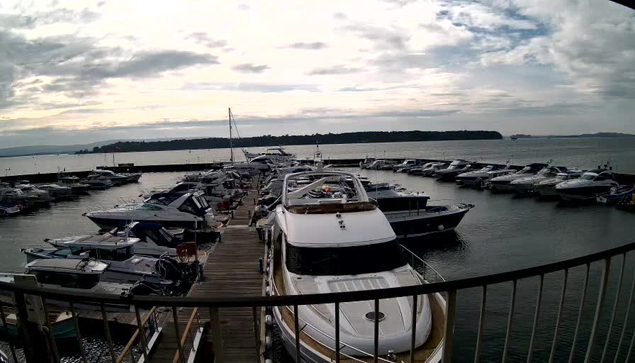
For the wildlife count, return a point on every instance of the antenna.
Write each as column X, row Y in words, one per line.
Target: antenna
column 231, row 147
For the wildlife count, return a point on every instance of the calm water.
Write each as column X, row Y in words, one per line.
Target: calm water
column 581, row 153
column 501, row 233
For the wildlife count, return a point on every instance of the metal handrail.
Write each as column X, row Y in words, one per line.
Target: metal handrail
column 251, row 301
column 422, row 261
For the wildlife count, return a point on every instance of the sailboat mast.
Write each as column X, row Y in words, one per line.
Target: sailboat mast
column 231, row 146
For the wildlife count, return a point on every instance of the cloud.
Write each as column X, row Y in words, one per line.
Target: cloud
column 383, row 38
column 250, row 68
column 206, row 40
column 339, row 69
column 249, row 87
column 55, row 16
column 312, row 46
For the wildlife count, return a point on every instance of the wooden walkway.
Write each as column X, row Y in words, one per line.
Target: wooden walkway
column 232, row 269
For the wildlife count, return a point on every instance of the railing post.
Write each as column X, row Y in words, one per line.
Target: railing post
column 598, row 310
column 560, row 307
column 628, row 312
column 413, row 326
column 47, row 323
column 580, row 310
column 536, row 317
column 217, row 338
column 142, row 334
column 510, row 320
column 448, row 334
column 617, row 301
column 111, row 348
column 481, row 326
column 337, row 332
column 79, row 336
column 177, row 331
column 296, row 325
column 256, row 332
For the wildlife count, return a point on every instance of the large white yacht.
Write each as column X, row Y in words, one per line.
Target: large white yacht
column 588, row 186
column 503, row 183
column 528, row 184
column 329, row 237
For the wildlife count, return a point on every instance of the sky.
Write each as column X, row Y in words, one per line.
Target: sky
column 75, row 72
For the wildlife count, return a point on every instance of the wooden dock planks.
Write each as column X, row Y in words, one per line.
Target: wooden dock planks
column 231, row 270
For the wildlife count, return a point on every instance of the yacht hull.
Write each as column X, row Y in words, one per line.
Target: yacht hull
column 582, row 193
column 109, row 223
column 407, row 225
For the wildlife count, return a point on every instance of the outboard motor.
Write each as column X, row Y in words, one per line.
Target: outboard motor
column 169, row 269
column 146, row 288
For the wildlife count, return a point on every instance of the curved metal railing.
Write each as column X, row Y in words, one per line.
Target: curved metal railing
column 450, row 288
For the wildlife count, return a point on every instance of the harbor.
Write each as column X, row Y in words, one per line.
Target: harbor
column 233, row 265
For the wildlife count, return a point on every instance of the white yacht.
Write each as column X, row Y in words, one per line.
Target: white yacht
column 115, row 179
column 588, row 186
column 57, row 192
column 456, row 167
column 39, row 196
column 479, row 178
column 332, row 239
column 188, row 210
column 432, row 168
column 97, row 182
column 502, row 183
column 404, row 166
column 547, row 188
column 73, row 182
column 528, row 184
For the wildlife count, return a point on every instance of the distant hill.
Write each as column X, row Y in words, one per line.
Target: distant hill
column 601, row 134
column 268, row 140
column 49, row 149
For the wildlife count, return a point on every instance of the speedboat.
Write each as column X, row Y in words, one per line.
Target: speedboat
column 432, row 168
column 57, row 192
column 479, row 178
column 404, row 166
column 73, row 182
column 189, row 211
column 616, row 195
column 528, row 185
column 418, row 170
column 273, row 155
column 97, row 182
column 132, row 177
column 502, row 183
column 410, row 216
column 455, row 168
column 547, row 187
column 382, row 164
column 123, row 264
column 39, row 196
column 588, row 186
column 115, row 179
column 10, row 210
column 151, row 239
column 366, row 162
column 329, row 237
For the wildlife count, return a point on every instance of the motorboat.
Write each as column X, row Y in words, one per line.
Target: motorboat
column 57, row 192
column 478, row 178
column 151, row 239
column 189, row 210
column 329, row 237
column 432, row 168
column 123, row 265
column 404, row 166
column 78, row 275
column 418, row 169
column 366, row 162
column 132, row 177
column 115, row 179
column 410, row 216
column 528, row 185
column 502, row 183
column 73, row 182
column 547, row 187
column 61, row 326
column 455, row 168
column 10, row 210
column 382, row 164
column 587, row 186
column 273, row 155
column 97, row 182
column 616, row 195
column 38, row 195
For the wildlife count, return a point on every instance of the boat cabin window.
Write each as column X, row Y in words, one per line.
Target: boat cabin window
column 603, row 177
column 64, row 279
column 151, row 207
column 181, row 188
column 588, row 176
column 344, row 260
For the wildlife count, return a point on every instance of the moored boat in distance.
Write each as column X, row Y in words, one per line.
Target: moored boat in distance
column 588, row 186
column 478, row 178
column 528, row 185
column 616, row 195
column 547, row 188
column 502, row 183
column 455, row 168
column 330, row 237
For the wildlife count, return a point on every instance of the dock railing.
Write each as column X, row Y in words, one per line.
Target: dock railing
column 605, row 308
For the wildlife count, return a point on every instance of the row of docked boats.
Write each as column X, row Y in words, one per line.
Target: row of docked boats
column 543, row 179
column 21, row 196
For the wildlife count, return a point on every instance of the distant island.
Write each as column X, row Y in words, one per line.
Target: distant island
column 269, row 140
column 597, row 134
column 520, row 136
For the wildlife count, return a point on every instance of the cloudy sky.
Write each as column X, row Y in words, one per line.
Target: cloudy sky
column 77, row 72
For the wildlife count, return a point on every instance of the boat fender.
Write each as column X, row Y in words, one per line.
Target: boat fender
column 268, row 320
column 268, row 341
column 441, row 227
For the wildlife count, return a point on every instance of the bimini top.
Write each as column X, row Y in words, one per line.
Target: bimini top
column 317, row 190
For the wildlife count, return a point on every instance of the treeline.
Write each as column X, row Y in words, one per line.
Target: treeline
column 269, row 140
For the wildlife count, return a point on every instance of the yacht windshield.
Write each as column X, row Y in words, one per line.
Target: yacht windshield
column 588, row 176
column 344, row 260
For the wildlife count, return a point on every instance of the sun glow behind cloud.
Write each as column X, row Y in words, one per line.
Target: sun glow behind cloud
column 138, row 69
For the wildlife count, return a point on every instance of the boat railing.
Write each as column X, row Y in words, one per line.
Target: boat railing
column 602, row 327
column 428, row 272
